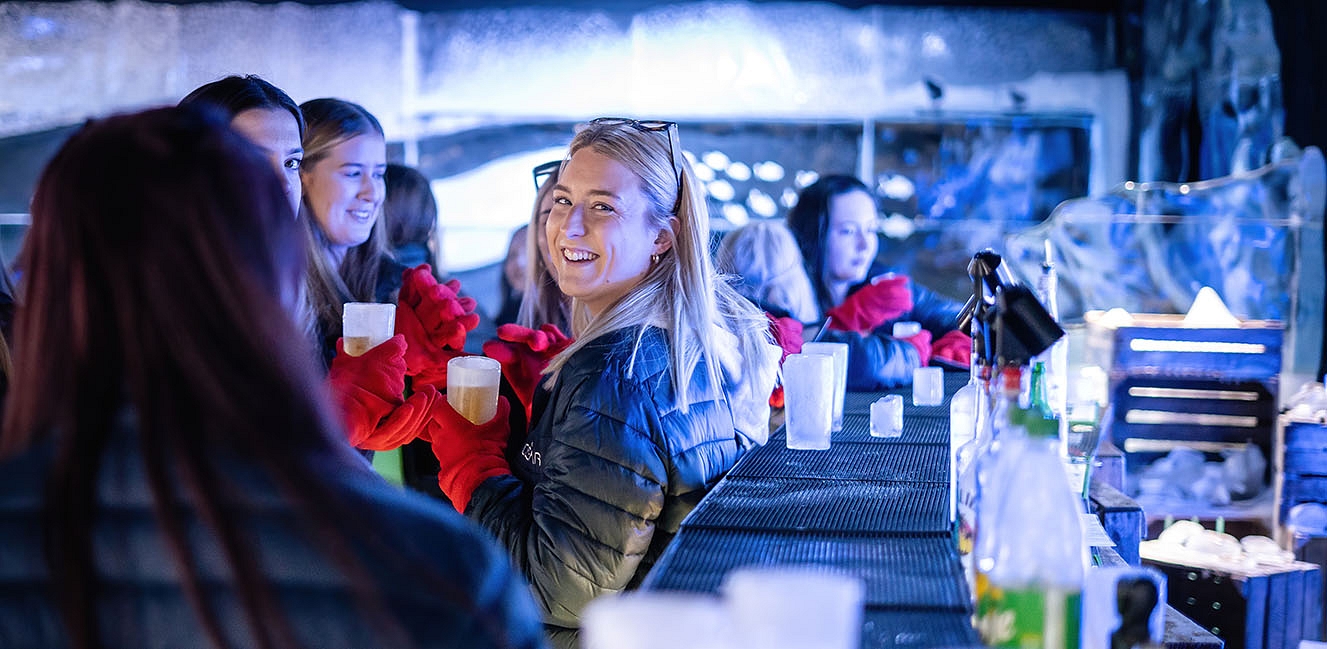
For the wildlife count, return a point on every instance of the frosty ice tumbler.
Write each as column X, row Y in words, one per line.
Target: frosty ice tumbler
column 365, row 325
column 794, row 608
column 472, row 387
column 928, row 386
column 840, row 353
column 808, row 392
column 887, row 416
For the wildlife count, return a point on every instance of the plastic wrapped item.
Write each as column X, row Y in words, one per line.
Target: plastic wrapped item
column 1263, row 550
column 1211, row 487
column 1243, row 470
column 1174, row 474
column 1309, row 404
column 1306, row 520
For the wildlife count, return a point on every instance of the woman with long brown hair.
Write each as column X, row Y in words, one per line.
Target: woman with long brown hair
column 169, row 475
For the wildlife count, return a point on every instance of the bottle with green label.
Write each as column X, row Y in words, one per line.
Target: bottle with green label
column 1030, row 556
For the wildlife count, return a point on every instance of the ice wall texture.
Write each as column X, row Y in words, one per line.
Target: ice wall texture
column 444, row 71
column 1217, row 61
column 61, row 63
column 1256, row 237
column 712, row 58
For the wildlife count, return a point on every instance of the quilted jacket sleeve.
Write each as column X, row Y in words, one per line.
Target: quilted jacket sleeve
column 583, row 530
column 936, row 313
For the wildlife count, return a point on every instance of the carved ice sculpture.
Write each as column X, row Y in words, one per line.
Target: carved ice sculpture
column 1255, row 237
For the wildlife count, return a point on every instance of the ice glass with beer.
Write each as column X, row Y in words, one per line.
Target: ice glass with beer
column 472, row 387
column 365, row 325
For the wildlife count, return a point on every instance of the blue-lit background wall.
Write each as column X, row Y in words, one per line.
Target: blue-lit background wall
column 970, row 123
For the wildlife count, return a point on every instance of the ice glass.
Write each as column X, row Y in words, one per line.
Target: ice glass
column 365, row 325
column 472, row 387
column 808, row 393
column 840, row 353
column 928, row 386
column 887, row 416
column 794, row 607
column 1082, row 433
column 691, row 620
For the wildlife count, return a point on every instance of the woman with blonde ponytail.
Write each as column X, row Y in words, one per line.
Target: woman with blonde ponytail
column 664, row 386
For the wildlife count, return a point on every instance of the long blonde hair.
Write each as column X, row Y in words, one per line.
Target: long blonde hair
column 329, row 123
column 768, row 265
column 680, row 293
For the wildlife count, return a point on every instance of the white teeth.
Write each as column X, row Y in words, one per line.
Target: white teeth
column 578, row 255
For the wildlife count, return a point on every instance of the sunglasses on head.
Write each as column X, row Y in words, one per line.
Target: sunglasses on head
column 652, row 125
column 543, row 171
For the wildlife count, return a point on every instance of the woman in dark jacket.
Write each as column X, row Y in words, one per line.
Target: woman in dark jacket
column 665, row 384
column 168, row 474
column 834, row 222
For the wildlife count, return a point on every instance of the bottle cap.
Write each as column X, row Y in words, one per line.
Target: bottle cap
column 907, row 329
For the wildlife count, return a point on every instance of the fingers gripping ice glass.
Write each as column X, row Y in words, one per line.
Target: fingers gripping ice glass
column 472, row 387
column 365, row 325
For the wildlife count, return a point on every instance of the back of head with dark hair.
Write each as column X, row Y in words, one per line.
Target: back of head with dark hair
column 410, row 209
column 809, row 222
column 236, row 94
column 159, row 263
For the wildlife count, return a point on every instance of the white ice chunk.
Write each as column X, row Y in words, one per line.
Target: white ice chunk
column 1209, row 311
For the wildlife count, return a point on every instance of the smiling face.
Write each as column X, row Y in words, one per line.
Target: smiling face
column 276, row 133
column 345, row 190
column 850, row 244
column 599, row 232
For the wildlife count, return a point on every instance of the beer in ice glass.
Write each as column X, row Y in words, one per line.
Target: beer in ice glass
column 365, row 325
column 472, row 387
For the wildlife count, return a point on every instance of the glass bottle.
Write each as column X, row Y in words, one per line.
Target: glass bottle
column 1030, row 554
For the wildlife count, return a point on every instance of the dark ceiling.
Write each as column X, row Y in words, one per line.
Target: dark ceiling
column 618, row 5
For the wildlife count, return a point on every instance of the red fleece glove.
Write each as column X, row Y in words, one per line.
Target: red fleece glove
column 435, row 320
column 954, row 346
column 879, row 301
column 787, row 334
column 367, row 388
column 922, row 341
column 468, row 454
column 523, row 354
column 408, row 421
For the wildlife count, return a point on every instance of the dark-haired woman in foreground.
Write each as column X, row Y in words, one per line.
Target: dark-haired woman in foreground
column 168, row 475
